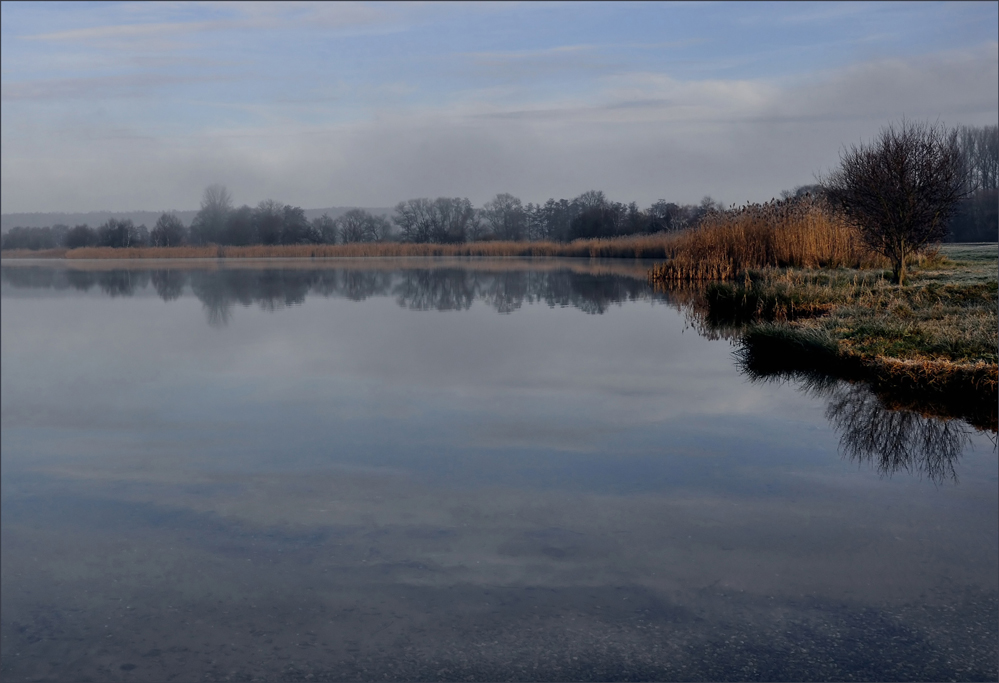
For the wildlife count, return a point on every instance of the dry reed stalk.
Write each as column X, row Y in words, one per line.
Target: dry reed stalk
column 637, row 270
column 802, row 233
column 635, row 247
column 980, row 377
column 28, row 253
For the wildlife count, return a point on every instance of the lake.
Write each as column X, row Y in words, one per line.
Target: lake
column 454, row 469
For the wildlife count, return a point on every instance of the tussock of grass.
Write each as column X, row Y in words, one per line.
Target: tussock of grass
column 803, row 234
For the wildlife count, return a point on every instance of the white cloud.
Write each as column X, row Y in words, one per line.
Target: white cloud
column 640, row 136
column 118, row 31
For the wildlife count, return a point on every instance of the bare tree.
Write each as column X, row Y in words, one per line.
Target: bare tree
column 980, row 154
column 590, row 199
column 269, row 217
column 81, row 236
column 666, row 216
column 443, row 220
column 296, row 228
column 169, row 231
column 415, row 219
column 325, row 228
column 505, row 217
column 210, row 222
column 358, row 225
column 216, row 198
column 117, row 233
column 901, row 189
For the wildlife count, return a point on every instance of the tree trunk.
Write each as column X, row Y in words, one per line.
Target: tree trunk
column 898, row 271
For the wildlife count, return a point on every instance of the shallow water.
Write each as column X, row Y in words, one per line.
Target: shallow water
column 455, row 470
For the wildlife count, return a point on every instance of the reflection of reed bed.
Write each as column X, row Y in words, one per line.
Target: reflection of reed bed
column 632, row 247
column 636, row 269
column 689, row 298
column 801, row 233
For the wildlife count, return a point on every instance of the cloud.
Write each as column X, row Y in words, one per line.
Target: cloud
column 97, row 88
column 639, row 136
column 235, row 15
column 118, row 31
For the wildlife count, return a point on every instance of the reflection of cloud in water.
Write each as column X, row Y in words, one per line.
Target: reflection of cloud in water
column 548, row 435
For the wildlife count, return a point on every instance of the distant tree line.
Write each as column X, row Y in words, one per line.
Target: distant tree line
column 447, row 220
column 977, row 216
column 442, row 221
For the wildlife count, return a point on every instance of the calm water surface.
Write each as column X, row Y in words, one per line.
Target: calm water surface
column 442, row 470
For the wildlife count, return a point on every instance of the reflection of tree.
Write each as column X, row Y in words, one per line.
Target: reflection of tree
column 81, row 280
column 445, row 289
column 894, row 440
column 873, row 432
column 358, row 285
column 169, row 284
column 122, row 282
column 590, row 293
column 277, row 289
column 43, row 277
column 215, row 295
column 33, row 277
column 424, row 289
column 506, row 291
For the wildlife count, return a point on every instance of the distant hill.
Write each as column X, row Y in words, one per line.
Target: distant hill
column 148, row 218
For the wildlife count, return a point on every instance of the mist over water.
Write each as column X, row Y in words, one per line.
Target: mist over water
column 448, row 470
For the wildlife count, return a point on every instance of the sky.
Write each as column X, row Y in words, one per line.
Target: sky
column 139, row 106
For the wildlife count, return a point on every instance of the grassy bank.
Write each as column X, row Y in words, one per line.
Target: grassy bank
column 933, row 343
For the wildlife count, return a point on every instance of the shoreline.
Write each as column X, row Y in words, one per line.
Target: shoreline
column 931, row 346
column 655, row 246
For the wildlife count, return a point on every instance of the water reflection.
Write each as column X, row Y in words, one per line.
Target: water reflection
column 894, row 440
column 875, row 428
column 357, row 491
column 883, row 426
column 888, row 438
column 420, row 289
column 169, row 284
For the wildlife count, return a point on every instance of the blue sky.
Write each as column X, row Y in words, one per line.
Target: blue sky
column 127, row 106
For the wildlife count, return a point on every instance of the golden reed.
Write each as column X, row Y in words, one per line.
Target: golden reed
column 640, row 246
column 803, row 233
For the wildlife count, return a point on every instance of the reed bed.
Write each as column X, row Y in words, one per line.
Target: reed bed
column 634, row 247
column 802, row 233
column 637, row 270
column 33, row 253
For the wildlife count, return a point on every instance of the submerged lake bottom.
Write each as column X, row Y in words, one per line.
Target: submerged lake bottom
column 418, row 469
